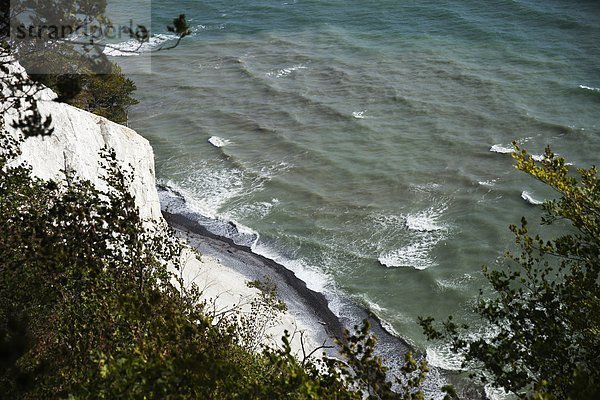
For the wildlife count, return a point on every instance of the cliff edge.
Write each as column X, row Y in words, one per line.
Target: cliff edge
column 75, row 146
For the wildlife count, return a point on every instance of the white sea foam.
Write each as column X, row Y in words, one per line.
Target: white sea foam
column 169, row 201
column 209, row 188
column 389, row 328
column 380, row 312
column 248, row 232
column 589, row 88
column 221, row 189
column 281, row 73
column 459, row 283
column 493, row 393
column 218, row 142
column 498, row 148
column 442, row 357
column 427, row 231
column 426, row 221
column 530, row 199
column 414, row 255
column 488, row 183
column 215, row 186
column 315, row 279
column 372, row 305
column 133, row 47
column 359, row 114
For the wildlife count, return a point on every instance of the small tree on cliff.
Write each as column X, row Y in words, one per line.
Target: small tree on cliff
column 61, row 44
column 545, row 312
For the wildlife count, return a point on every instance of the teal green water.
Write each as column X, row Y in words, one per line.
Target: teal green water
column 354, row 137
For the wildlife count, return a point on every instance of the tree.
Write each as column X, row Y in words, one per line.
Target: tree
column 61, row 45
column 545, row 308
column 108, row 94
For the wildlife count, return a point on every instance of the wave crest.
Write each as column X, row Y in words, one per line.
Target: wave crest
column 593, row 89
column 282, row 73
column 428, row 232
column 502, row 149
column 530, row 199
column 426, row 221
column 498, row 148
column 133, row 47
column 218, row 142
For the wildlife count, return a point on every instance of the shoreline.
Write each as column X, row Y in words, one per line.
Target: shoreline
column 242, row 260
column 311, row 307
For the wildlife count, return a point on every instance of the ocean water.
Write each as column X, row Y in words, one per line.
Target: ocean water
column 366, row 144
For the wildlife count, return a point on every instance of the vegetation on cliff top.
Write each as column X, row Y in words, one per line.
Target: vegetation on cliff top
column 61, row 44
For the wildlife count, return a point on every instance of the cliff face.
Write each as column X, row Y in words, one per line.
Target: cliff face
column 75, row 145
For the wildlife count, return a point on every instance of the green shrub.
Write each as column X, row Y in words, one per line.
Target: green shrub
column 88, row 309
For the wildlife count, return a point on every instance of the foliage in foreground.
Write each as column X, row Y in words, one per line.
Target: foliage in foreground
column 545, row 313
column 89, row 309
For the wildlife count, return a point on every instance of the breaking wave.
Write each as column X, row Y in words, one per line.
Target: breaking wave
column 530, row 199
column 498, row 148
column 282, row 73
column 218, row 142
column 428, row 230
column 359, row 114
column 593, row 89
column 502, row 149
column 133, row 47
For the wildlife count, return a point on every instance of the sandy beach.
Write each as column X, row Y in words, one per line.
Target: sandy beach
column 222, row 270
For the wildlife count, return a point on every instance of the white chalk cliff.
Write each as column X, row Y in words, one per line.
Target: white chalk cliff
column 75, row 146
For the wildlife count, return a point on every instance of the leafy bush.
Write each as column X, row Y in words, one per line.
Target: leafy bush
column 75, row 68
column 88, row 309
column 71, row 76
